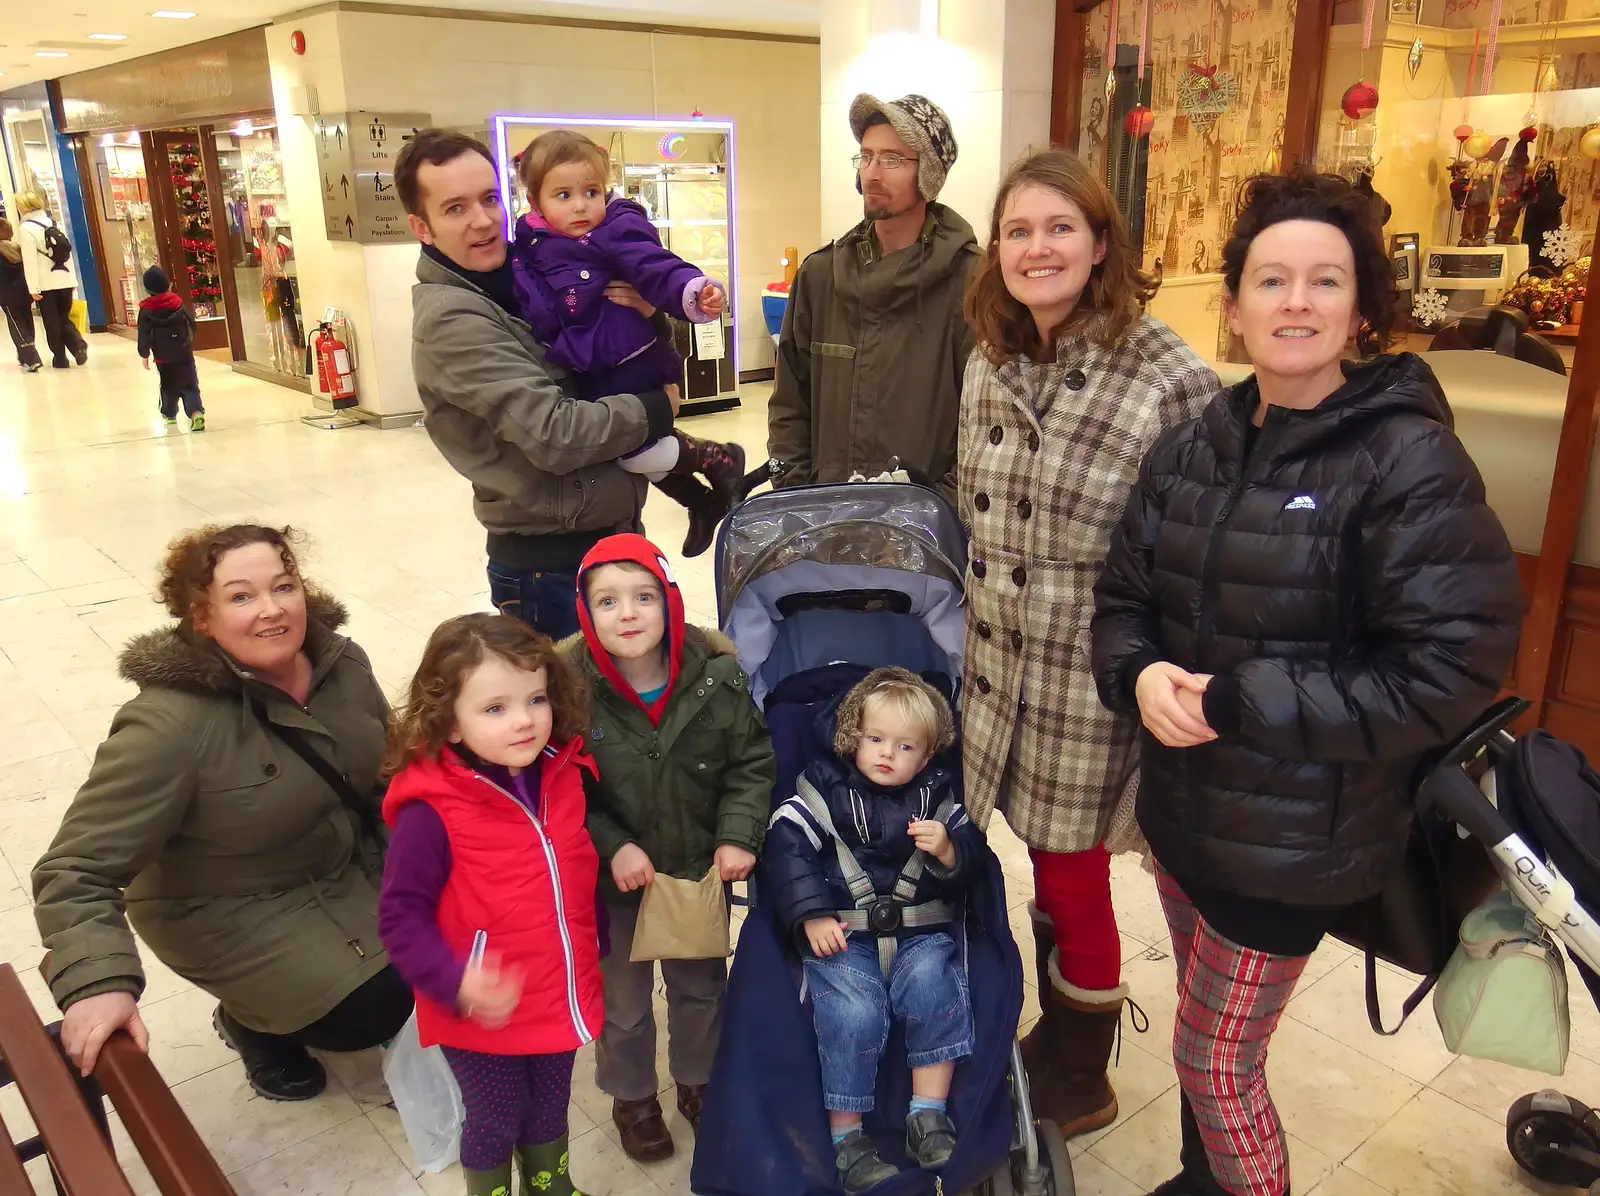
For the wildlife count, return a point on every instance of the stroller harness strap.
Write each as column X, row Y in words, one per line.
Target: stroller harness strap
column 873, row 914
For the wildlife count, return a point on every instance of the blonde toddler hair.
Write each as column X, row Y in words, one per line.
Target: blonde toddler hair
column 902, row 693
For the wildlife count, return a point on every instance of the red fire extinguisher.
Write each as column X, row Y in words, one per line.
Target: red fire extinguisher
column 336, row 375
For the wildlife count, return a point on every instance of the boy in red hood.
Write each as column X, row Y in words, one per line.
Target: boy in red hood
column 166, row 333
column 686, row 777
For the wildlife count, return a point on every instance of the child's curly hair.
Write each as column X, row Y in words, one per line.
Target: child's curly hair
column 919, row 704
column 559, row 147
column 421, row 727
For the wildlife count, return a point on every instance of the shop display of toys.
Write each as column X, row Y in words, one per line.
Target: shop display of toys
column 1549, row 299
column 198, row 241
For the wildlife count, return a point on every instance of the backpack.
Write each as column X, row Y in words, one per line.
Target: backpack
column 171, row 340
column 56, row 246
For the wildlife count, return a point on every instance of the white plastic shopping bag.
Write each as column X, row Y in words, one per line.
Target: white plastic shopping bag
column 427, row 1098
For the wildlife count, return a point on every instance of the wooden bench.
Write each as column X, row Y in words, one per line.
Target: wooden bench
column 70, row 1114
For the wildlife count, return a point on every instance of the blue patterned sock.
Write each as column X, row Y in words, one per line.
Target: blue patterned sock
column 919, row 1103
column 840, row 1132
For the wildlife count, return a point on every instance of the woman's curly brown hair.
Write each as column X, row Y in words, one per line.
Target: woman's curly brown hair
column 422, row 727
column 1304, row 194
column 191, row 561
column 1117, row 290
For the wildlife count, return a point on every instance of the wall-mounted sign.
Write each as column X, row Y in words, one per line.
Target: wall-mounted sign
column 355, row 155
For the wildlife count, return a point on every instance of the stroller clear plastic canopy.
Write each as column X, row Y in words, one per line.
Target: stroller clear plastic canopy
column 881, row 525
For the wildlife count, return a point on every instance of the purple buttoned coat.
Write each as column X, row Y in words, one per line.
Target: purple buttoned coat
column 560, row 284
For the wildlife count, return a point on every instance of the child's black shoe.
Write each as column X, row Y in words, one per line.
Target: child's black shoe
column 860, row 1168
column 930, row 1138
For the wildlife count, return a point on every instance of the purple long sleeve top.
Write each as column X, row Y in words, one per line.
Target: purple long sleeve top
column 414, row 876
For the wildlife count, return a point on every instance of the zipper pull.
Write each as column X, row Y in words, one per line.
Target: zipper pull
column 355, row 944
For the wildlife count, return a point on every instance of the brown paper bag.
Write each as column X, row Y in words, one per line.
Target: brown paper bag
column 682, row 919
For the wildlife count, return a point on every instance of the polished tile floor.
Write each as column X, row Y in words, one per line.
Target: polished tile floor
column 92, row 486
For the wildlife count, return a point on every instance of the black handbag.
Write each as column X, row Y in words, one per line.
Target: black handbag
column 1416, row 921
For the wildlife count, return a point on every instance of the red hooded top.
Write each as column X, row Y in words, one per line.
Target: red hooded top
column 528, row 882
column 628, row 546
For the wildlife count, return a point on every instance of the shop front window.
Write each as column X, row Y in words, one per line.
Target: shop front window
column 1483, row 153
column 260, row 243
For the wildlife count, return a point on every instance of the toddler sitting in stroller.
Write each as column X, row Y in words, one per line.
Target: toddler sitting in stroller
column 866, row 861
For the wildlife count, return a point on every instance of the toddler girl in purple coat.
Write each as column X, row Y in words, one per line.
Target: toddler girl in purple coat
column 573, row 242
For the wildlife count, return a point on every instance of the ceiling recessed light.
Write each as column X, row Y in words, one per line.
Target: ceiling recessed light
column 49, row 53
column 108, row 37
column 172, row 14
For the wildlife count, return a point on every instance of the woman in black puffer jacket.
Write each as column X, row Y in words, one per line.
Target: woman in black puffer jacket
column 1307, row 593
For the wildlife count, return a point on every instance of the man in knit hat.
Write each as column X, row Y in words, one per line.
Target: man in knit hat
column 874, row 345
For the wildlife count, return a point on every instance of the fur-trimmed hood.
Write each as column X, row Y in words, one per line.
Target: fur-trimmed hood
column 847, row 716
column 175, row 657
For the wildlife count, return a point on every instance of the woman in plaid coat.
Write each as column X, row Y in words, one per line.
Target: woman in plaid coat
column 1069, row 386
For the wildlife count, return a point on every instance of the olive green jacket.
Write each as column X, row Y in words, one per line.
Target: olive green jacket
column 702, row 778
column 237, row 864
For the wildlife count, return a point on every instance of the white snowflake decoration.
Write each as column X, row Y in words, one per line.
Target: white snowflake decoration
column 1564, row 244
column 1429, row 307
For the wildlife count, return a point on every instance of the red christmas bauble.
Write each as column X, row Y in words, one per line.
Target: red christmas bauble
column 1359, row 100
column 1462, row 132
column 1528, row 134
column 1138, row 122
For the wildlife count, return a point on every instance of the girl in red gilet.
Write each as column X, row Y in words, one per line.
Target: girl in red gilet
column 488, row 903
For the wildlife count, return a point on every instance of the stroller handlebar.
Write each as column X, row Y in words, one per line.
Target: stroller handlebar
column 1450, row 793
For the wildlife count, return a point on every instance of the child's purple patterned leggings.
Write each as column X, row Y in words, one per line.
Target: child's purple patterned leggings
column 511, row 1100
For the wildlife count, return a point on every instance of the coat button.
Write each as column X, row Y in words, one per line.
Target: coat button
column 996, row 434
column 981, row 501
column 1024, row 507
column 1075, row 380
column 1016, row 640
column 270, row 770
column 983, row 631
column 584, row 274
column 983, row 684
column 1033, row 442
column 1020, row 576
column 979, row 568
column 655, row 755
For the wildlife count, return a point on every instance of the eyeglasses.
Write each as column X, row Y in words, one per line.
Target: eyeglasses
column 889, row 160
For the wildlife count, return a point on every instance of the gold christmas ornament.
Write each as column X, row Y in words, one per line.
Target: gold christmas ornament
column 1479, row 144
column 1589, row 143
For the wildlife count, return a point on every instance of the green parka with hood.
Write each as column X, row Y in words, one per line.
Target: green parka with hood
column 688, row 773
column 872, row 354
column 241, row 869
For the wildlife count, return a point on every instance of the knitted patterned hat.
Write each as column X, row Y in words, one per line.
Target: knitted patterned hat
column 925, row 129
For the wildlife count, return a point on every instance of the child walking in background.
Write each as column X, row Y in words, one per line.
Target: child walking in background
column 686, row 776
column 166, row 333
column 573, row 242
column 488, row 903
column 897, row 813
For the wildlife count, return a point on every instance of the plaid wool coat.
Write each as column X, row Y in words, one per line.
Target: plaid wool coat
column 1046, row 458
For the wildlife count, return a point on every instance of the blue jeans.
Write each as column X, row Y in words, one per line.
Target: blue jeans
column 547, row 602
column 851, row 1004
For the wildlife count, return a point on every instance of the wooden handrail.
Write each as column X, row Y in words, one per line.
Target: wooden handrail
column 83, row 1161
column 165, row 1137
column 13, row 1179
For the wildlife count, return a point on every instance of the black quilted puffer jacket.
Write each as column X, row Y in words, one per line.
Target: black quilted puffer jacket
column 1342, row 577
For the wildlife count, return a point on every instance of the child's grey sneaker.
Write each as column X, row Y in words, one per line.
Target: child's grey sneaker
column 930, row 1138
column 860, row 1168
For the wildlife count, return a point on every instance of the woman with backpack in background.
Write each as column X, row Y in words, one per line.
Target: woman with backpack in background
column 45, row 253
column 15, row 300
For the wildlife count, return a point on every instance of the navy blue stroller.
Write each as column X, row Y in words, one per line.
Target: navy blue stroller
column 816, row 586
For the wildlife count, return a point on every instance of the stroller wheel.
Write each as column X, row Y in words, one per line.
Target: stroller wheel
column 1002, row 1184
column 1555, row 1138
column 1053, row 1153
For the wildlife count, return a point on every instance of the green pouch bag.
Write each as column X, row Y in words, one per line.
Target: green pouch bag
column 1503, row 995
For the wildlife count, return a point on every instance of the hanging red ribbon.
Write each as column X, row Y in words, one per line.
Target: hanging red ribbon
column 1488, row 54
column 1111, row 38
column 1472, row 69
column 1366, row 28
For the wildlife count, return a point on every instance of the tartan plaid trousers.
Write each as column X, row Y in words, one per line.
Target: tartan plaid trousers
column 1229, row 1001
